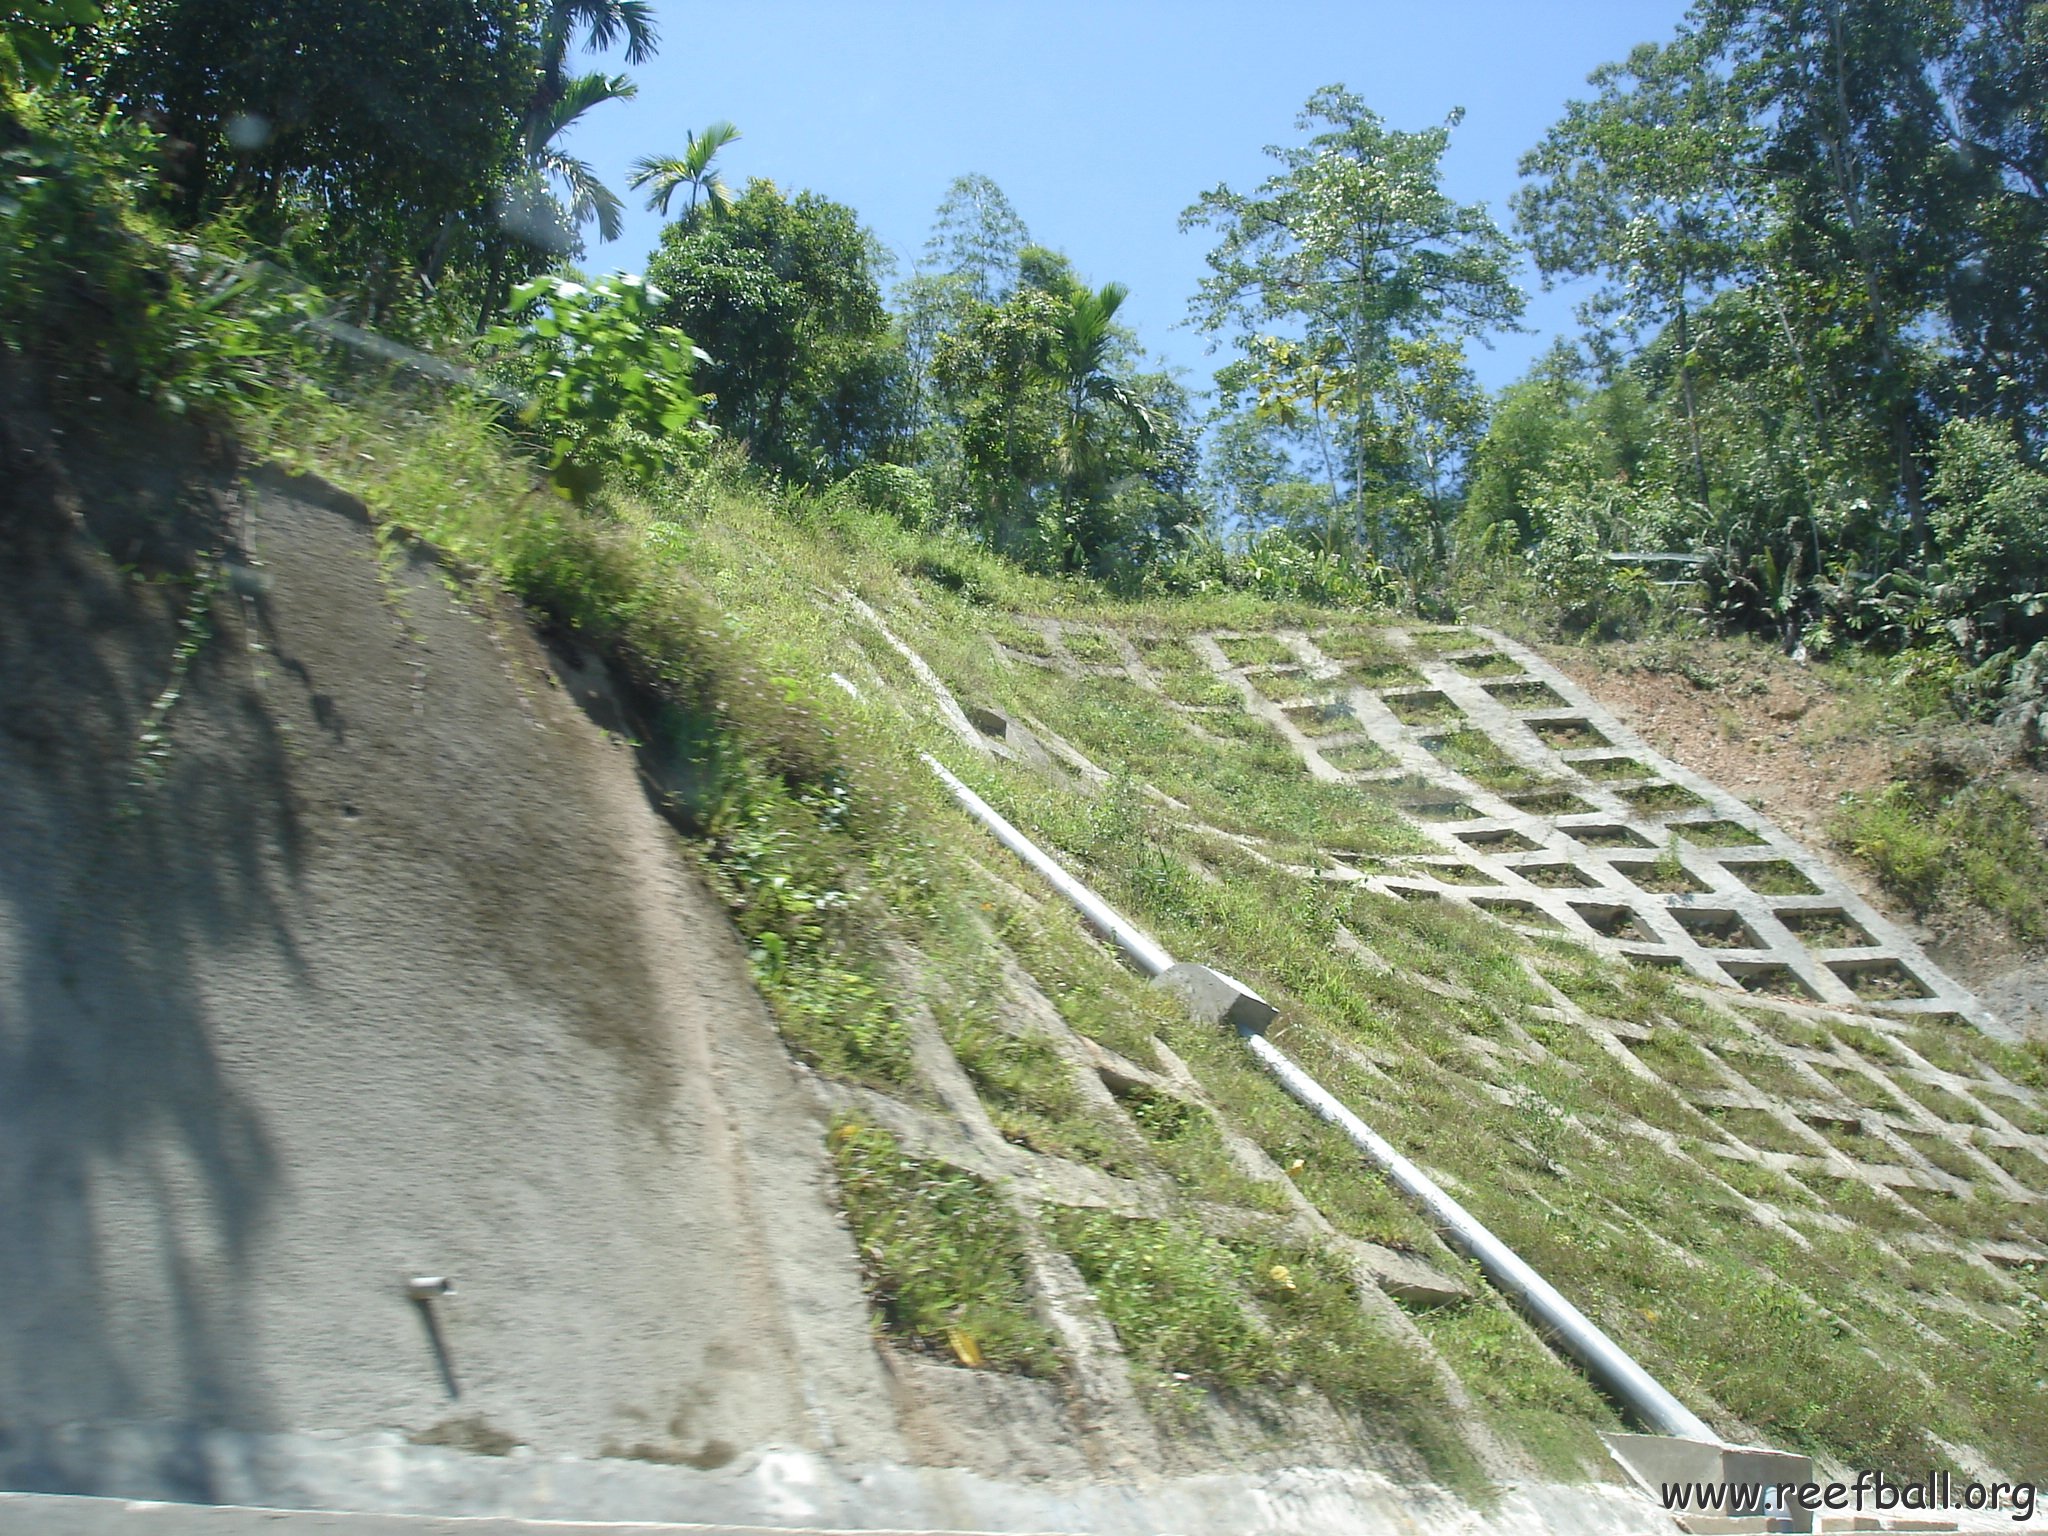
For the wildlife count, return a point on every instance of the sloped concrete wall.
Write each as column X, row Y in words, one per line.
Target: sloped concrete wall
column 381, row 968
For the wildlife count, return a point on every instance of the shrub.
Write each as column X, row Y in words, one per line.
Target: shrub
column 610, row 385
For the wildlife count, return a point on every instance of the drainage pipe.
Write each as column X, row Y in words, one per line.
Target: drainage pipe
column 1604, row 1360
column 1144, row 950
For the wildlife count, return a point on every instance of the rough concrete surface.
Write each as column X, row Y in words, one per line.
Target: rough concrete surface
column 385, row 971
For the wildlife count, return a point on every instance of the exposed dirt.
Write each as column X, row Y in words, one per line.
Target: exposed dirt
column 1776, row 733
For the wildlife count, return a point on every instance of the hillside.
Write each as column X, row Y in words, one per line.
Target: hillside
column 369, row 958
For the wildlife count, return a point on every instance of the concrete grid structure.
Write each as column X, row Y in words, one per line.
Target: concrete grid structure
column 1554, row 818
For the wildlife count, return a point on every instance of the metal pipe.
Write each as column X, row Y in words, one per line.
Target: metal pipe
column 1144, row 950
column 1583, row 1339
column 1603, row 1359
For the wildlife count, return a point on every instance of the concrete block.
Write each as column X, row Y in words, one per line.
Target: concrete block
column 1219, row 999
column 1655, row 1461
column 1407, row 1278
column 988, row 721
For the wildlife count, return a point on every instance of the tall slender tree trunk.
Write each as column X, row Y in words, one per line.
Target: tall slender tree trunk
column 1692, row 419
column 1866, row 265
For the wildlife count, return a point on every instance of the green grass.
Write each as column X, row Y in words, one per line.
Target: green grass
column 1436, row 642
column 1185, row 1138
column 1716, row 834
column 1169, row 1292
column 1381, row 676
column 1525, row 1390
column 1358, row 757
column 1772, row 877
column 1660, row 797
column 1091, row 647
column 1200, row 689
column 1943, row 1153
column 1282, row 685
column 944, row 1260
column 1756, row 1128
column 1256, row 650
column 1491, row 665
column 2029, row 1118
column 1945, row 1105
column 1824, row 930
column 1325, row 716
column 1425, row 708
column 1029, row 1090
column 1019, row 635
column 1975, row 844
column 1475, row 755
column 1360, row 647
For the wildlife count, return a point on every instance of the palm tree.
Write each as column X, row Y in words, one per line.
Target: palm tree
column 1078, row 361
column 692, row 169
column 527, row 209
column 588, row 198
column 559, row 99
column 603, row 23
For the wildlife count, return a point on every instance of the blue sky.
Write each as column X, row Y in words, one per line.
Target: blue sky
column 1101, row 121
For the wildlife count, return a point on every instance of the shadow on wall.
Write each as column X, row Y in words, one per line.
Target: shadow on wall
column 115, row 1114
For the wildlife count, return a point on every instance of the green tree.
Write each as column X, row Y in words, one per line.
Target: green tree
column 782, row 294
column 978, row 238
column 1069, row 455
column 37, row 35
column 1847, row 95
column 1080, row 362
column 1647, row 184
column 1346, row 278
column 527, row 211
column 668, row 174
column 370, row 122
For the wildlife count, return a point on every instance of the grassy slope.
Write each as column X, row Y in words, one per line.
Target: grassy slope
column 863, row 889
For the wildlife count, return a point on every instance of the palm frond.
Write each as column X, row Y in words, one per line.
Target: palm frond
column 589, row 198
column 603, row 23
column 1121, row 398
column 707, row 143
column 692, row 169
column 579, row 94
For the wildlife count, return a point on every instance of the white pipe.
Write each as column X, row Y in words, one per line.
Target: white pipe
column 1603, row 1359
column 1144, row 950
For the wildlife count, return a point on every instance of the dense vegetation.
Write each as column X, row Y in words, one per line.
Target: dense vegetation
column 1813, row 364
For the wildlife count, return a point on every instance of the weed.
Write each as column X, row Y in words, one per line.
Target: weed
column 1475, row 755
column 1944, row 1105
column 1168, row 1292
column 1424, row 708
column 1772, row 877
column 1926, row 839
column 1092, row 648
column 1255, row 650
column 1509, row 1370
column 1716, row 834
column 1030, row 1092
column 1186, row 1139
column 1490, row 665
column 944, row 1260
column 1607, row 770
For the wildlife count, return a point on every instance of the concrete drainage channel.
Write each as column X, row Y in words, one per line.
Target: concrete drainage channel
column 1681, row 1445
